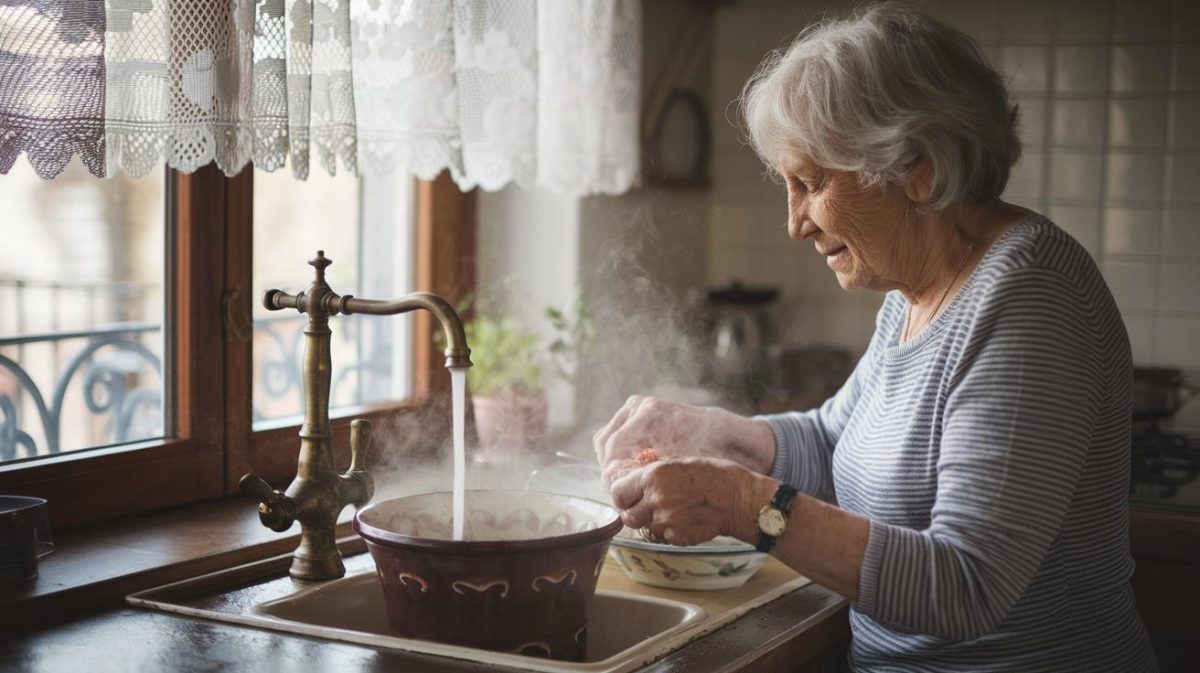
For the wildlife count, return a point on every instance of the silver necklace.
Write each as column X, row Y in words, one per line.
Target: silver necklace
column 908, row 331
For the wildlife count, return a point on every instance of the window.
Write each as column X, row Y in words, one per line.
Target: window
column 203, row 416
column 81, row 313
column 364, row 226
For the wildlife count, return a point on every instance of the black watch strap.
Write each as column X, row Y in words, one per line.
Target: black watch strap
column 782, row 501
column 784, row 495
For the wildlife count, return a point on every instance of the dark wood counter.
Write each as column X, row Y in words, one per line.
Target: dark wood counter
column 73, row 616
column 1166, row 582
column 785, row 635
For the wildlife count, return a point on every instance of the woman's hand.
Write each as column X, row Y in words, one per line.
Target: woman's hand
column 686, row 501
column 680, row 430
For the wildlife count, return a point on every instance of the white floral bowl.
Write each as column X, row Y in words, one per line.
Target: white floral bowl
column 720, row 563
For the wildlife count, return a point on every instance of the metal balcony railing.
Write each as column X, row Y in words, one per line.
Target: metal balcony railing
column 110, row 368
column 120, row 375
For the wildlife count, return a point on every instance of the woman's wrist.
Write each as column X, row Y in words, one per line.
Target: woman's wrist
column 753, row 493
column 749, row 441
column 764, row 443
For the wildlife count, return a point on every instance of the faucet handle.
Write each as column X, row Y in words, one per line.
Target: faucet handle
column 359, row 484
column 360, row 444
column 275, row 510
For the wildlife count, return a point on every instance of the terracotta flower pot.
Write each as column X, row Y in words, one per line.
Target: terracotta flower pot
column 509, row 426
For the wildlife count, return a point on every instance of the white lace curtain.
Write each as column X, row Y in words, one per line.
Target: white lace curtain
column 537, row 92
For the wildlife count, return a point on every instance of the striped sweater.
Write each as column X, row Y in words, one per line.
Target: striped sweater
column 991, row 455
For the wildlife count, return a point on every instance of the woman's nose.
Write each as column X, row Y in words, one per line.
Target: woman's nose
column 800, row 226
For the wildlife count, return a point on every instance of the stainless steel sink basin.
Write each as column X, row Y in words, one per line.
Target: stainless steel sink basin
column 618, row 622
column 625, row 630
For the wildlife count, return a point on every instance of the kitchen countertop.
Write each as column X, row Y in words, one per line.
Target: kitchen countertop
column 781, row 635
column 73, row 616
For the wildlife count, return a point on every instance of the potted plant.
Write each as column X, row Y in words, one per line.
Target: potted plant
column 511, row 366
column 572, row 338
column 506, row 386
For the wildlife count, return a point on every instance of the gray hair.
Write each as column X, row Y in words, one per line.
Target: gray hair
column 876, row 93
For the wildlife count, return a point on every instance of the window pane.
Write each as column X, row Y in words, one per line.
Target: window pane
column 365, row 227
column 81, row 311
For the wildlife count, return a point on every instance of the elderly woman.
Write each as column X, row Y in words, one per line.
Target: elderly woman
column 966, row 487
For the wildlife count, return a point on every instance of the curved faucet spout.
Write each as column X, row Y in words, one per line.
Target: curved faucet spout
column 457, row 352
column 318, row 493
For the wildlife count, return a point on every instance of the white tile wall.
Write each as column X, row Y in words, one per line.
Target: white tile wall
column 1136, row 122
column 1027, row 68
column 1110, row 117
column 1181, row 232
column 1031, row 119
column 979, row 18
column 1023, row 20
column 1131, row 231
column 1142, row 19
column 1140, row 68
column 1081, row 69
column 1026, row 182
column 1123, row 174
column 1179, row 288
column 1135, row 177
column 1175, row 342
column 1141, row 337
column 1187, row 19
column 1079, row 20
column 1185, row 123
column 1132, row 284
column 1079, row 122
column 1075, row 175
column 1187, row 73
column 1185, row 179
column 1081, row 222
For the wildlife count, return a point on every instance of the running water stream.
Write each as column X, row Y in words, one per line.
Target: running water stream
column 458, row 385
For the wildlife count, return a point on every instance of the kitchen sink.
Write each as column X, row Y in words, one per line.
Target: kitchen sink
column 619, row 622
column 625, row 630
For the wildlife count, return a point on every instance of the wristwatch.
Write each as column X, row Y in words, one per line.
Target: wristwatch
column 772, row 519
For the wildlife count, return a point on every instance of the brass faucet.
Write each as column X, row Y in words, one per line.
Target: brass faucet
column 317, row 495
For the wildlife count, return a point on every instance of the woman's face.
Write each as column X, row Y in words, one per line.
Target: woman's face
column 855, row 228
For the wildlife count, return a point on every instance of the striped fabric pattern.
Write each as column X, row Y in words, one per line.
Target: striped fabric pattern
column 991, row 455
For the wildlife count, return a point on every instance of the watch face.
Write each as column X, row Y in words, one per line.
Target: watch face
column 771, row 521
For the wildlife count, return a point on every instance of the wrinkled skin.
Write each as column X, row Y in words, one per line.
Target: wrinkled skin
column 677, row 430
column 684, row 501
column 694, row 492
column 886, row 242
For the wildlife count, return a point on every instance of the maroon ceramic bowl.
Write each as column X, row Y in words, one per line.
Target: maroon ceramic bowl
column 521, row 581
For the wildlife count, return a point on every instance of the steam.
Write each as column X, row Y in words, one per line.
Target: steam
column 649, row 338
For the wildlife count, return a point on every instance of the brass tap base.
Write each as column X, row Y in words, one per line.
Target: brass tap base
column 315, row 569
column 317, row 556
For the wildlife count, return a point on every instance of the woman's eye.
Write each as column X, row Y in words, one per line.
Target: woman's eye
column 808, row 186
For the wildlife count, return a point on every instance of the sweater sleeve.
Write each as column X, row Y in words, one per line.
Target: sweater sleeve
column 805, row 440
column 1016, row 429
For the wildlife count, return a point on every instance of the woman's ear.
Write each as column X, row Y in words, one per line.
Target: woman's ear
column 918, row 184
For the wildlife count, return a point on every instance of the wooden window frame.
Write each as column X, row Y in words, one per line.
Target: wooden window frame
column 210, row 441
